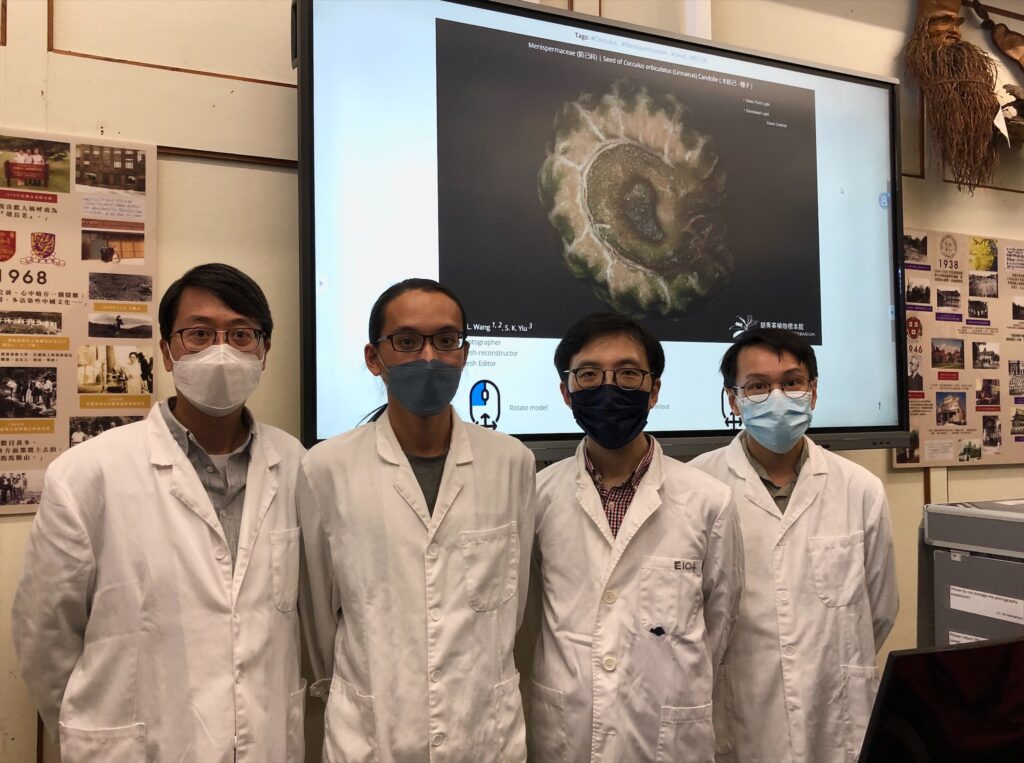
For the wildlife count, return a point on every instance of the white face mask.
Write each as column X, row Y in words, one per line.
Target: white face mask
column 217, row 380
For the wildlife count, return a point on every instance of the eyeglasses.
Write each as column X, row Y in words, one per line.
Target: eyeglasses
column 413, row 341
column 794, row 387
column 198, row 338
column 589, row 377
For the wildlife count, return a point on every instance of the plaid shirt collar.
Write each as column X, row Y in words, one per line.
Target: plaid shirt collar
column 615, row 500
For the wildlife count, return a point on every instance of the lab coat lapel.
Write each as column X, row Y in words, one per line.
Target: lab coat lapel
column 646, row 501
column 403, row 479
column 587, row 497
column 456, row 467
column 753, row 488
column 809, row 484
column 164, row 453
column 260, row 487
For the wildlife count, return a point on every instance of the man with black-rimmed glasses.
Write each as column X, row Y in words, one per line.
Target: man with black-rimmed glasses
column 156, row 614
column 638, row 569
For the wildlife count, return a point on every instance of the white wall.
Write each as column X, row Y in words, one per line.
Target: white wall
column 246, row 215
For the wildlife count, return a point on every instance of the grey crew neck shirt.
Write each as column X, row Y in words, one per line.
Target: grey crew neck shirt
column 428, row 471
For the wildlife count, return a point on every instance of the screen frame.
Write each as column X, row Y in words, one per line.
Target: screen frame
column 551, row 447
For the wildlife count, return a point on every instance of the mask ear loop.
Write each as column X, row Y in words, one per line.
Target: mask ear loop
column 730, row 419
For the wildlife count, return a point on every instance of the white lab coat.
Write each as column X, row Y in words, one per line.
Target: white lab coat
column 130, row 628
column 411, row 617
column 604, row 687
column 799, row 678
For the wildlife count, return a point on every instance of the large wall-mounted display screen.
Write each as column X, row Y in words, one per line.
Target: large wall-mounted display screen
column 546, row 166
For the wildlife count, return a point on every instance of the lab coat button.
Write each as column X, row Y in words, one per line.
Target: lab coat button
column 437, row 740
column 433, row 550
column 783, row 595
column 610, row 597
column 221, row 552
column 435, row 614
column 435, row 675
column 609, row 664
column 210, row 470
column 789, row 651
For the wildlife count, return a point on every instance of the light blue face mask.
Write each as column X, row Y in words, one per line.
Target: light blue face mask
column 424, row 387
column 777, row 423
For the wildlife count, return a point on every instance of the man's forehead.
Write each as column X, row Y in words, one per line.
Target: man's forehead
column 621, row 347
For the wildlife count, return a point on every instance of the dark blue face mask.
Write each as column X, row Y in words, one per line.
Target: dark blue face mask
column 424, row 387
column 611, row 416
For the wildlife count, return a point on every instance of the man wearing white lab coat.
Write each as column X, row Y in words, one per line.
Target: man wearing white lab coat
column 799, row 678
column 156, row 615
column 417, row 530
column 638, row 574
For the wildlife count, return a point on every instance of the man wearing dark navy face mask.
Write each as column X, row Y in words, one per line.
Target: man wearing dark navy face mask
column 638, row 569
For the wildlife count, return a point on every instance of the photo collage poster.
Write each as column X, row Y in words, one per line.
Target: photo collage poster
column 965, row 349
column 77, row 265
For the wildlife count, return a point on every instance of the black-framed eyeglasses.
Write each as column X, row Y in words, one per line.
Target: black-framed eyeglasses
column 198, row 338
column 413, row 341
column 794, row 387
column 589, row 377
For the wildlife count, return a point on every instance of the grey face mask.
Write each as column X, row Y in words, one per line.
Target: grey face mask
column 424, row 387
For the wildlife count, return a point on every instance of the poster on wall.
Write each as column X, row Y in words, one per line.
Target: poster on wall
column 77, row 264
column 965, row 349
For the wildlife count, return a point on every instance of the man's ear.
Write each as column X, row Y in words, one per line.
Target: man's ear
column 165, row 351
column 733, row 405
column 372, row 360
column 814, row 393
column 565, row 394
column 655, row 389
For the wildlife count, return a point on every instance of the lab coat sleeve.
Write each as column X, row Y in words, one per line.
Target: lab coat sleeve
column 53, row 599
column 723, row 580
column 527, row 525
column 319, row 603
column 879, row 565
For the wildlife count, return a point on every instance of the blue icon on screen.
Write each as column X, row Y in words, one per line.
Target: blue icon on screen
column 884, row 200
column 485, row 404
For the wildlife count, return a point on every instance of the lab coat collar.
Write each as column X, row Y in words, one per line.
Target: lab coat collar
column 389, row 449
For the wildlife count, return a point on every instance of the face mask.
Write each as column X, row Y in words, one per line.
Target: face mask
column 777, row 423
column 217, row 380
column 424, row 387
column 611, row 416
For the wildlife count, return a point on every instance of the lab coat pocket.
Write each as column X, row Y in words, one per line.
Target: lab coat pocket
column 686, row 733
column 546, row 737
column 670, row 594
column 510, row 742
column 491, row 559
column 296, row 724
column 838, row 566
column 860, row 685
column 350, row 724
column 123, row 744
column 284, row 560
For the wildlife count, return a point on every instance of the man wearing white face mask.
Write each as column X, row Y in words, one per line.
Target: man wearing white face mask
column 155, row 618
column 798, row 679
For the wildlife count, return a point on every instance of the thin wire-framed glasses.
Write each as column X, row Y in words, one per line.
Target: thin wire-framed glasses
column 198, row 338
column 794, row 387
column 589, row 377
column 413, row 341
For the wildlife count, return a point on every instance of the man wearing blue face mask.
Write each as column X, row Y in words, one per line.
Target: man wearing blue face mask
column 799, row 677
column 638, row 569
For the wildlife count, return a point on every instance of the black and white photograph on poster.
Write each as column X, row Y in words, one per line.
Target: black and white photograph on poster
column 986, row 392
column 992, row 433
column 597, row 184
column 984, row 254
column 120, row 287
column 919, row 290
column 31, row 164
column 113, row 247
column 948, row 250
column 82, row 428
column 1015, row 368
column 969, row 450
column 121, row 325
column 977, row 308
column 948, row 298
column 1017, row 422
column 915, row 248
column 114, row 369
column 910, row 454
column 915, row 382
column 30, row 322
column 28, row 392
column 983, row 284
column 20, row 486
column 112, row 168
column 951, row 409
column 948, row 353
column 984, row 355
column 1018, row 308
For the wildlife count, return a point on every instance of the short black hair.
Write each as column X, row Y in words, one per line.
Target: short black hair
column 779, row 340
column 393, row 292
column 230, row 285
column 599, row 325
